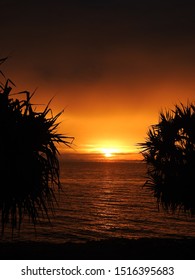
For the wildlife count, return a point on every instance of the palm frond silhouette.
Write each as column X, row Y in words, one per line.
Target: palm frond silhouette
column 29, row 165
column 169, row 152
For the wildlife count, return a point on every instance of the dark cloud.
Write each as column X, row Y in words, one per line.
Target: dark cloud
column 105, row 21
column 86, row 42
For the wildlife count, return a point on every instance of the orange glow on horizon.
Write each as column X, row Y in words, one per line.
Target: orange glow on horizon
column 108, row 118
column 95, row 153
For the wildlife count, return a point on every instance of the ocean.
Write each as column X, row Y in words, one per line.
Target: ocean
column 101, row 200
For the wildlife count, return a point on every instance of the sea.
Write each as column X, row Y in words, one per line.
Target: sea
column 101, row 200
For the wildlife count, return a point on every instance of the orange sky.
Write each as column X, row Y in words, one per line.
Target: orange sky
column 113, row 65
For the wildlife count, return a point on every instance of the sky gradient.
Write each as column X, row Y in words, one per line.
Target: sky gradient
column 112, row 65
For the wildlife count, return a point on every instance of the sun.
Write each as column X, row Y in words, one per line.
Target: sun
column 107, row 155
column 108, row 152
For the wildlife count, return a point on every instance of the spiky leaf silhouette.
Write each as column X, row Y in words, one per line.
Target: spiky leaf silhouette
column 169, row 152
column 29, row 165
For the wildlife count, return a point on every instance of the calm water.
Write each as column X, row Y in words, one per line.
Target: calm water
column 106, row 199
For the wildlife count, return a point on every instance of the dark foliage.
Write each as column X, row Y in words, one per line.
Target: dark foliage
column 29, row 166
column 169, row 151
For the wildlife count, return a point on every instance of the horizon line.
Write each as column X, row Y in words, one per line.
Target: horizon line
column 97, row 157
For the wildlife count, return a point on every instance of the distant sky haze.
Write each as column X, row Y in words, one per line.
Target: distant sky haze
column 111, row 65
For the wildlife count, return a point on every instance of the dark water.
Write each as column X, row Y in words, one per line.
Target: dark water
column 106, row 199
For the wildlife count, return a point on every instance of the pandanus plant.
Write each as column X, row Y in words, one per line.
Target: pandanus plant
column 29, row 165
column 169, row 152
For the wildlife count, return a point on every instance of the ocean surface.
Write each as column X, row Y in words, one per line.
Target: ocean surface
column 102, row 200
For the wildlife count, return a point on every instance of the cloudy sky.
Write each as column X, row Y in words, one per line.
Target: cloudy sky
column 112, row 65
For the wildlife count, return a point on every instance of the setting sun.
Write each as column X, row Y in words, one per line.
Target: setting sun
column 109, row 152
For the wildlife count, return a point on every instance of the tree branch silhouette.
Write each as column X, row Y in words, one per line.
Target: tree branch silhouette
column 29, row 165
column 169, row 152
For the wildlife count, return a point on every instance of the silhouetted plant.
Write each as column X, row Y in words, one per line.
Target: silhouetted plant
column 169, row 151
column 29, row 166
